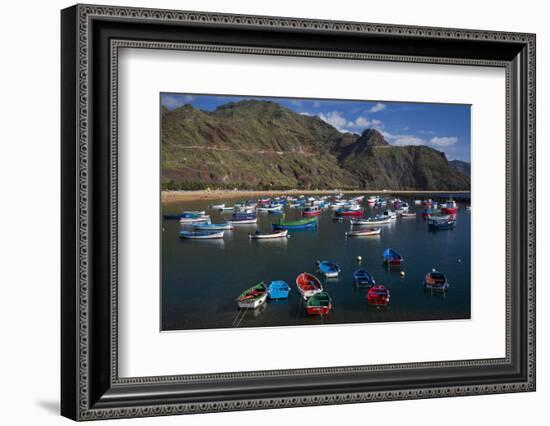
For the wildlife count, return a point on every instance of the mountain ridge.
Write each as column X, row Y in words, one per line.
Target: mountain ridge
column 263, row 145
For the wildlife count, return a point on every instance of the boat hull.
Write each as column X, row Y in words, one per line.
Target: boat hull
column 282, row 234
column 308, row 285
column 201, row 236
column 252, row 303
column 365, row 233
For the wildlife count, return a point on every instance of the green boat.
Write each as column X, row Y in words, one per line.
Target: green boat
column 253, row 297
column 319, row 304
column 308, row 222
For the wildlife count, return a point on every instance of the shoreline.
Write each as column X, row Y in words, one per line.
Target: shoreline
column 175, row 196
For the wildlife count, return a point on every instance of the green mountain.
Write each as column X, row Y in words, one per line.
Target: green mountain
column 461, row 166
column 263, row 145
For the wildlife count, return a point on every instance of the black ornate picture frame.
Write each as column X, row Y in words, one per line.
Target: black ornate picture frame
column 91, row 386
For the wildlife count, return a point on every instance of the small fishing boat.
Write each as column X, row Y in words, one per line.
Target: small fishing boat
column 173, row 216
column 378, row 295
column 377, row 220
column 252, row 297
column 407, row 214
column 391, row 257
column 201, row 235
column 311, row 211
column 436, row 281
column 243, row 221
column 319, row 304
column 391, row 214
column 308, row 284
column 364, row 232
column 348, row 212
column 217, row 206
column 270, row 208
column 328, row 269
column 449, row 207
column 212, row 226
column 194, row 219
column 441, row 225
column 363, row 277
column 194, row 212
column 278, row 290
column 269, row 235
column 306, row 223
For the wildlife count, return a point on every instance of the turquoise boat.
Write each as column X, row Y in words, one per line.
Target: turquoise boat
column 306, row 223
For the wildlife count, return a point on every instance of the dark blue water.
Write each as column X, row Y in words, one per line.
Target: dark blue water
column 201, row 279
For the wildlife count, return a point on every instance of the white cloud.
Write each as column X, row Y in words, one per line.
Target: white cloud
column 377, row 107
column 172, row 102
column 364, row 122
column 444, row 140
column 403, row 140
column 336, row 119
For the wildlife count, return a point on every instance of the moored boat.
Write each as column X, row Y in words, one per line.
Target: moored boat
column 311, row 211
column 243, row 221
column 377, row 220
column 252, row 297
column 391, row 257
column 278, row 290
column 212, row 226
column 436, row 281
column 328, row 269
column 449, row 207
column 192, row 218
column 407, row 214
column 308, row 284
column 389, row 213
column 218, row 206
column 319, row 304
column 364, row 232
column 378, row 295
column 269, row 235
column 349, row 212
column 363, row 277
column 201, row 235
column 306, row 223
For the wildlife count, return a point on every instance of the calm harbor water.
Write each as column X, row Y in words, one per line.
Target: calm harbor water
column 201, row 279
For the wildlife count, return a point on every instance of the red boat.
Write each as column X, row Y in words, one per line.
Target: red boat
column 311, row 211
column 308, row 284
column 378, row 295
column 345, row 213
column 319, row 304
column 449, row 208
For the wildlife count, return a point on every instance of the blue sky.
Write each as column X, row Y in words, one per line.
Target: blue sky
column 445, row 127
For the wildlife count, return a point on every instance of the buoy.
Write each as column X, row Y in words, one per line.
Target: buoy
column 402, row 273
column 433, row 269
column 459, row 260
column 359, row 258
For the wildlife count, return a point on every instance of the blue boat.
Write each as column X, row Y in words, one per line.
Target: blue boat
column 439, row 225
column 328, row 269
column 212, row 226
column 278, row 290
column 363, row 277
column 391, row 257
column 174, row 216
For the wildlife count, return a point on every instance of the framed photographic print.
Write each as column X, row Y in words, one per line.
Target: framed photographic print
column 264, row 212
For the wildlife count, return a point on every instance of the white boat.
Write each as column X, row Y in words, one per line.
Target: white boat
column 390, row 214
column 377, row 220
column 201, row 235
column 417, row 202
column 243, row 222
column 217, row 206
column 407, row 214
column 185, row 220
column 271, row 235
column 271, row 208
column 364, row 233
column 194, row 212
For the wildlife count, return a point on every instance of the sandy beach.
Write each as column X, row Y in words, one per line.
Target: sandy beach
column 175, row 196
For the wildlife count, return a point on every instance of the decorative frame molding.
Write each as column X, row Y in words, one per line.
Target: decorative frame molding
column 91, row 37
